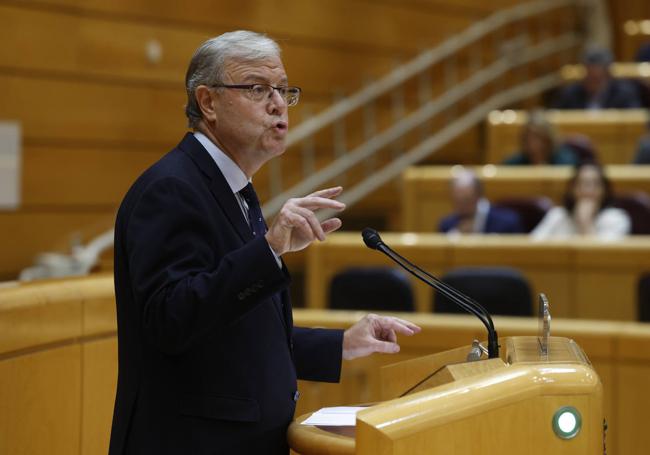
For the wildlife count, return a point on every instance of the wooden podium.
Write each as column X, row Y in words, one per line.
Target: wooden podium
column 529, row 401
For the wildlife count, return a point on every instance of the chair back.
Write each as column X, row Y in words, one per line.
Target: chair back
column 637, row 205
column 644, row 297
column 501, row 290
column 531, row 210
column 371, row 289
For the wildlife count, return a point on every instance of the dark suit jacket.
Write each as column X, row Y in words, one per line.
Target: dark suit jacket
column 208, row 355
column 642, row 155
column 620, row 94
column 499, row 221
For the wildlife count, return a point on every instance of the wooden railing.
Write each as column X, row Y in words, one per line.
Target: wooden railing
column 502, row 59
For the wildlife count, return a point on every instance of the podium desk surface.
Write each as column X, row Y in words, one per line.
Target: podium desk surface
column 317, row 440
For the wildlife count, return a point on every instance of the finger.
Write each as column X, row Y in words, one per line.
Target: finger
column 397, row 326
column 331, row 225
column 389, row 335
column 292, row 220
column 327, row 192
column 410, row 325
column 314, row 224
column 385, row 346
column 317, row 203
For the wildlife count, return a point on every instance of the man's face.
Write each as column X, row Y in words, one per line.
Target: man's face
column 465, row 199
column 536, row 148
column 596, row 78
column 251, row 132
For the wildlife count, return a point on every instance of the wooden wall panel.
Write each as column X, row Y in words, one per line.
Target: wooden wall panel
column 98, row 393
column 388, row 25
column 77, row 48
column 94, row 177
column 621, row 11
column 26, row 233
column 52, row 110
column 40, row 402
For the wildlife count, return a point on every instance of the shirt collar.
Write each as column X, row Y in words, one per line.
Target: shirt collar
column 480, row 219
column 233, row 174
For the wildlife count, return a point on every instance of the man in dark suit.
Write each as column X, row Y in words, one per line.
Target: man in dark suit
column 598, row 90
column 473, row 213
column 208, row 355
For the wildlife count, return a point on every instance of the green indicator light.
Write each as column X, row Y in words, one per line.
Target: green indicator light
column 567, row 422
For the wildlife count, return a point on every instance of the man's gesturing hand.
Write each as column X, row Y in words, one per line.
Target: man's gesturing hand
column 296, row 226
column 375, row 334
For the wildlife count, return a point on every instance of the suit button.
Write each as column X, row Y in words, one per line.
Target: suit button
column 296, row 395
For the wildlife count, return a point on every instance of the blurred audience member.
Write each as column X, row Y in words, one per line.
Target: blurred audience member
column 643, row 151
column 643, row 54
column 582, row 147
column 642, row 155
column 598, row 90
column 473, row 213
column 539, row 144
column 587, row 209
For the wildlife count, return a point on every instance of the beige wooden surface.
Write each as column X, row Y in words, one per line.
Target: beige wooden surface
column 426, row 197
column 524, row 394
column 583, row 278
column 463, row 414
column 614, row 133
column 58, row 363
column 624, row 70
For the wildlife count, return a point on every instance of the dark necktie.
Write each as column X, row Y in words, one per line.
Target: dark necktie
column 258, row 226
column 255, row 218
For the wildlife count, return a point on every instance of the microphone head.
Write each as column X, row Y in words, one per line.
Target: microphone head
column 371, row 238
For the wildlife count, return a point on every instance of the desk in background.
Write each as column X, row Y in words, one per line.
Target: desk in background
column 426, row 195
column 614, row 132
column 583, row 278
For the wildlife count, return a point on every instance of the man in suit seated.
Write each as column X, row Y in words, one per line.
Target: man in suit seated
column 473, row 213
column 598, row 90
column 208, row 355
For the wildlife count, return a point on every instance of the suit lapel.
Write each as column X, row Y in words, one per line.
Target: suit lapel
column 218, row 185
column 223, row 194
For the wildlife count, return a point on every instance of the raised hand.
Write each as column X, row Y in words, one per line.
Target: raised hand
column 375, row 333
column 296, row 226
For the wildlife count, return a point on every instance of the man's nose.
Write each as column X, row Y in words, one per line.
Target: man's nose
column 277, row 104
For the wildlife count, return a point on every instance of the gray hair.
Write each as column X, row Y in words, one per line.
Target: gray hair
column 467, row 177
column 209, row 61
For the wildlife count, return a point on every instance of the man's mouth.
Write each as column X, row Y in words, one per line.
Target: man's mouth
column 281, row 126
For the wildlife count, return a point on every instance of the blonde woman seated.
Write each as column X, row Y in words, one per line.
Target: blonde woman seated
column 587, row 209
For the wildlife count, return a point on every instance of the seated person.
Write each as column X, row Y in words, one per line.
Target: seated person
column 586, row 209
column 473, row 213
column 598, row 90
column 642, row 155
column 643, row 53
column 539, row 145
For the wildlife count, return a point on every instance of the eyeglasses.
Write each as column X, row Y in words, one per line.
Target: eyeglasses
column 259, row 92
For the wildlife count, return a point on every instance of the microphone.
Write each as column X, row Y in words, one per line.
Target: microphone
column 373, row 241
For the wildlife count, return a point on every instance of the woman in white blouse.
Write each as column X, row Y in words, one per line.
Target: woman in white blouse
column 586, row 209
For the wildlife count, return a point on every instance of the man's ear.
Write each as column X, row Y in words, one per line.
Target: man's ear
column 205, row 101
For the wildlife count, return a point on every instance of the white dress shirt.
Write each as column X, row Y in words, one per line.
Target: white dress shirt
column 610, row 224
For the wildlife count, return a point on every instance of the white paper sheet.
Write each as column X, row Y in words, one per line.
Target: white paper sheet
column 339, row 416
